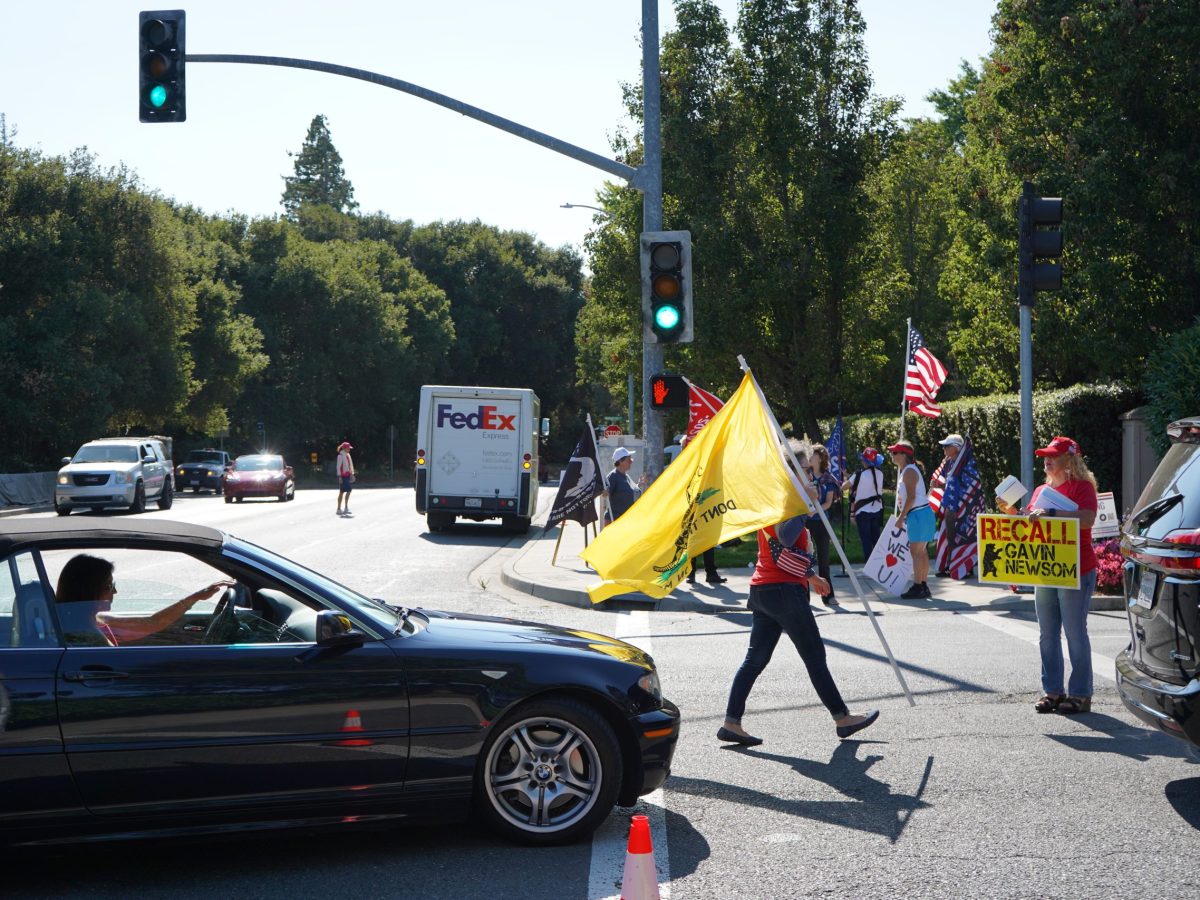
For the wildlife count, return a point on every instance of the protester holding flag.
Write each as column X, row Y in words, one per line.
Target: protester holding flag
column 939, row 486
column 913, row 513
column 622, row 492
column 779, row 602
column 866, row 503
column 828, row 493
column 957, row 550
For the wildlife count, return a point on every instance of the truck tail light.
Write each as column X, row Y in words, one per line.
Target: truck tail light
column 527, row 461
column 420, row 457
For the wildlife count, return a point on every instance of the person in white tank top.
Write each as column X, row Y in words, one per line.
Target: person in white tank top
column 914, row 513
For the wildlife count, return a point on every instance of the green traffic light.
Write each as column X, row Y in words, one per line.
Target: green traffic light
column 667, row 317
column 157, row 96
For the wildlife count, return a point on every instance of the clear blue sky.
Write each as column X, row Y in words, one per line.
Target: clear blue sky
column 68, row 78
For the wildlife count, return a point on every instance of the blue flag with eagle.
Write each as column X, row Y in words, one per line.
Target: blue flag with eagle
column 730, row 480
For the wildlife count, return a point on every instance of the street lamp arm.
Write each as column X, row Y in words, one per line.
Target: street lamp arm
column 636, row 177
column 601, row 210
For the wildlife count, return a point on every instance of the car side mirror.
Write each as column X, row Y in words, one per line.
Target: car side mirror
column 334, row 629
column 147, row 458
column 545, row 429
column 66, row 460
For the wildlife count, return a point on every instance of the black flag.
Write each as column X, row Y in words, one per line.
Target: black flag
column 581, row 483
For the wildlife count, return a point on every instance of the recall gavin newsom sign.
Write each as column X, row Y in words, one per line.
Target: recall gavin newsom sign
column 1035, row 552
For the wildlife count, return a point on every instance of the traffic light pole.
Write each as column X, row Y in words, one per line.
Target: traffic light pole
column 652, row 217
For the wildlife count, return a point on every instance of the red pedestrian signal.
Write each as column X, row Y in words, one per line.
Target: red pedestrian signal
column 668, row 392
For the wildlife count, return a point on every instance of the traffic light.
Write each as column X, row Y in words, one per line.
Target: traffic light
column 668, row 392
column 666, row 287
column 160, row 66
column 1035, row 244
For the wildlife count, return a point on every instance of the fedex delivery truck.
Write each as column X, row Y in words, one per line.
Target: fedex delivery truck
column 477, row 455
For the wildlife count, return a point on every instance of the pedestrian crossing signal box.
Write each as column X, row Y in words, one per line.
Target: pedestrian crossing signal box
column 668, row 392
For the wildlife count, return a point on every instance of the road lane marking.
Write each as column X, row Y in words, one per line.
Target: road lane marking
column 1101, row 665
column 611, row 839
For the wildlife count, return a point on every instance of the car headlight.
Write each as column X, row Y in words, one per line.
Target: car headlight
column 650, row 684
column 179, row 472
column 125, row 478
column 64, row 479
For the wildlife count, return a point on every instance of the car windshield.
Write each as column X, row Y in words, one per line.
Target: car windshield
column 259, row 464
column 375, row 611
column 204, row 456
column 91, row 453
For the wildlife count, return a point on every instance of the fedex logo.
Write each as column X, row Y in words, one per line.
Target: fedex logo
column 486, row 418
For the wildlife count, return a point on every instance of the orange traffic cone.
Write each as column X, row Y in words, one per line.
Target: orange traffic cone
column 640, row 880
column 353, row 723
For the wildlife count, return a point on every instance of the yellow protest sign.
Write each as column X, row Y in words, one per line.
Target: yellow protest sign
column 1034, row 552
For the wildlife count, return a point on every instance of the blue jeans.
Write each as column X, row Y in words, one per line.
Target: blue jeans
column 1058, row 610
column 778, row 608
column 870, row 527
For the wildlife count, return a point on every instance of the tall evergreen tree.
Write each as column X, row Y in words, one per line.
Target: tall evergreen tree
column 319, row 178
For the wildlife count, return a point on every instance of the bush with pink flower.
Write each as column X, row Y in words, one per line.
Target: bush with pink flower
column 1110, row 575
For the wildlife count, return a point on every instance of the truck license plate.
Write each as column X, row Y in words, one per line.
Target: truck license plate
column 1145, row 597
column 194, row 482
column 473, row 502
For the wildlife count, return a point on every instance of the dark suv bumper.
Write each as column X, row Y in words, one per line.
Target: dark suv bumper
column 1171, row 708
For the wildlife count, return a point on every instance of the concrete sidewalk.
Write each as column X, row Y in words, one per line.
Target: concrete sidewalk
column 534, row 570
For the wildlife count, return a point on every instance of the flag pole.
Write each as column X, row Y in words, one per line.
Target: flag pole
column 904, row 375
column 841, row 553
column 596, row 459
column 842, row 473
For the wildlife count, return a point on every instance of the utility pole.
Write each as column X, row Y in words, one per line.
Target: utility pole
column 651, row 171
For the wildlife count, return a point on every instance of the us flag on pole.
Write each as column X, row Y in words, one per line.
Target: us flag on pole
column 925, row 375
column 702, row 406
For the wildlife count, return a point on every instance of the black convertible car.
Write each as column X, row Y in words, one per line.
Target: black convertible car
column 213, row 684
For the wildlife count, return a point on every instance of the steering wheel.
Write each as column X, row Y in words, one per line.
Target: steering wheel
column 224, row 624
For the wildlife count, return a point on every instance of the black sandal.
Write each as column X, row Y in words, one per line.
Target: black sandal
column 1073, row 705
column 1049, row 703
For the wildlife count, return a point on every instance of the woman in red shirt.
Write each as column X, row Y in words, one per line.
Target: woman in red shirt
column 1063, row 609
column 779, row 601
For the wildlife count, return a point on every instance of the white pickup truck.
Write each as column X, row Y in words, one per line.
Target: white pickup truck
column 115, row 472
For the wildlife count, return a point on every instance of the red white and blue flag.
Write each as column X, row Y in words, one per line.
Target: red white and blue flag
column 924, row 376
column 962, row 500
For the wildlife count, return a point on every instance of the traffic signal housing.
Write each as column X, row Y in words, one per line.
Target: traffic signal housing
column 1039, row 243
column 666, row 258
column 668, row 392
column 160, row 66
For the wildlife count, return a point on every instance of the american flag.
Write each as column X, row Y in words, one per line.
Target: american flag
column 925, row 374
column 937, row 486
column 702, row 406
column 837, row 451
column 964, row 498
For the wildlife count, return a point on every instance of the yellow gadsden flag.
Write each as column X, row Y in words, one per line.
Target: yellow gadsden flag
column 730, row 480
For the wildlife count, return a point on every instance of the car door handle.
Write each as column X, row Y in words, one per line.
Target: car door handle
column 94, row 673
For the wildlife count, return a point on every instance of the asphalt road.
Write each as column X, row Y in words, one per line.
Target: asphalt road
column 969, row 793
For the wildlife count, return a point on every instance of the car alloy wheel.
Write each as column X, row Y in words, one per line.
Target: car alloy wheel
column 167, row 497
column 551, row 773
column 139, row 499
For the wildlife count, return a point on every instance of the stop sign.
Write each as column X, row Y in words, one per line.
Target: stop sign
column 612, row 431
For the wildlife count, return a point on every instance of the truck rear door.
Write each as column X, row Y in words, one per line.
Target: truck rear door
column 476, row 447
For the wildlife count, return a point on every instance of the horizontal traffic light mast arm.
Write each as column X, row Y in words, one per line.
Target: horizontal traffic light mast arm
column 636, row 177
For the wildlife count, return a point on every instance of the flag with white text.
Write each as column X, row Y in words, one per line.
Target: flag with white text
column 702, row 406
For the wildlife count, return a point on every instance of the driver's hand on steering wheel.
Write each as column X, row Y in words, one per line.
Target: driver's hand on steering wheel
column 205, row 592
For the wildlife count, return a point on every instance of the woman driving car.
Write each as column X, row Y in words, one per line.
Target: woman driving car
column 85, row 593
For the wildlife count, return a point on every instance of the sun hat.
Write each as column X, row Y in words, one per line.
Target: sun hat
column 345, row 445
column 621, row 453
column 1059, row 446
column 952, row 440
column 902, row 447
column 871, row 457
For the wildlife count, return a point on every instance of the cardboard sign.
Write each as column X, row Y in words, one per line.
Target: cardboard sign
column 1107, row 523
column 1036, row 552
column 891, row 560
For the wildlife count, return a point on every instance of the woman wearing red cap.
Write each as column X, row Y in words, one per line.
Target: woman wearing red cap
column 914, row 513
column 1062, row 609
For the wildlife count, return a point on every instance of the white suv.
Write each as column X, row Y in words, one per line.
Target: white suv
column 115, row 472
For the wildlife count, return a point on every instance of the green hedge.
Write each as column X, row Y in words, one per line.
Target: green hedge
column 1088, row 413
